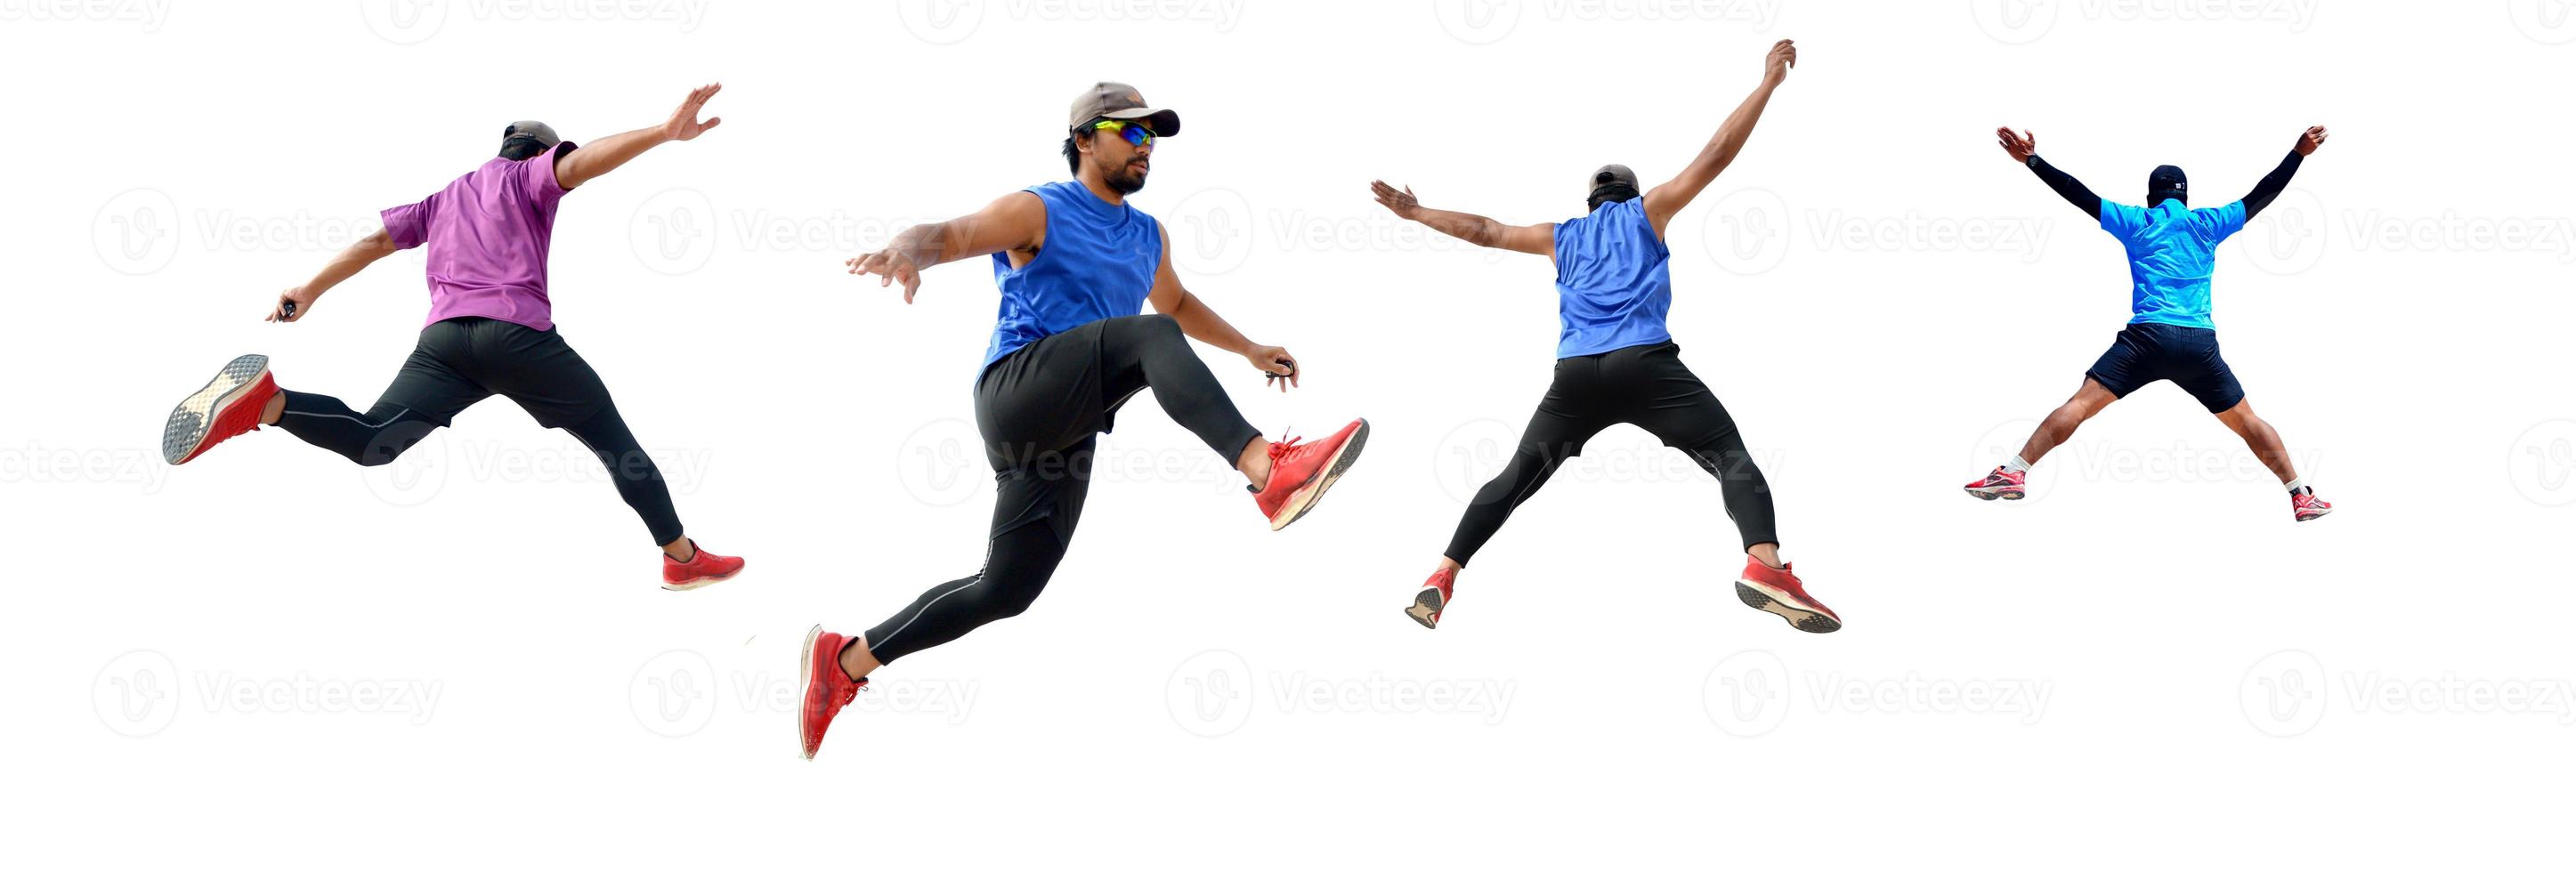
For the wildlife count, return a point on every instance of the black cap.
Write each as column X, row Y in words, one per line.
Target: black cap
column 2167, row 182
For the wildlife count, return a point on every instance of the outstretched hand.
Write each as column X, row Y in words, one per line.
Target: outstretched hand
column 2021, row 146
column 684, row 124
column 1400, row 202
column 2308, row 142
column 1775, row 66
column 893, row 265
column 292, row 304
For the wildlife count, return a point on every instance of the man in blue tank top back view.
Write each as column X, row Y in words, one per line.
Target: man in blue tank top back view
column 1616, row 364
column 1075, row 263
column 2172, row 251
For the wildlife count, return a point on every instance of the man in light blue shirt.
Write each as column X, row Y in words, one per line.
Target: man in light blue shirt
column 2172, row 252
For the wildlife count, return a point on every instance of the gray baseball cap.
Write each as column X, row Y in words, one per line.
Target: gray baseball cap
column 1613, row 174
column 536, row 130
column 1122, row 101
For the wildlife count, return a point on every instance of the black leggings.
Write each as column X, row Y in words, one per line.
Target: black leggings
column 459, row 362
column 1040, row 410
column 1645, row 385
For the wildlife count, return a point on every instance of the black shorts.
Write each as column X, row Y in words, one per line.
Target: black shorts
column 2188, row 356
column 460, row 361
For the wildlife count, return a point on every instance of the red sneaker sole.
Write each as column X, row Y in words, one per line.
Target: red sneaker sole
column 702, row 582
column 184, row 436
column 1762, row 596
column 1994, row 494
column 805, row 690
column 1426, row 607
column 1305, row 498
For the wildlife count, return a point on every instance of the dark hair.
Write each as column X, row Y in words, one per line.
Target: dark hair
column 521, row 148
column 1072, row 153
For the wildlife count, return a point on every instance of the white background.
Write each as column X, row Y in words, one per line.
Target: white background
column 271, row 657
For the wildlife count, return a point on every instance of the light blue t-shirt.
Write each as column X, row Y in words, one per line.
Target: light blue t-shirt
column 2172, row 251
column 1098, row 261
column 1614, row 281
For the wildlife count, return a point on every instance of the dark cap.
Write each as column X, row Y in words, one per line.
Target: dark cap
column 2167, row 182
column 1614, row 174
column 1121, row 101
column 536, row 130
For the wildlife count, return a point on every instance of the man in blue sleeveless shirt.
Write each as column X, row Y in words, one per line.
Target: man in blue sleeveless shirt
column 1075, row 263
column 2172, row 252
column 1617, row 365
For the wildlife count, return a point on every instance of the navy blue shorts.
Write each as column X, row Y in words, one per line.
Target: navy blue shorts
column 2147, row 353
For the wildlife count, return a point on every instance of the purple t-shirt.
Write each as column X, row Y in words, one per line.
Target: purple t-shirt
column 487, row 233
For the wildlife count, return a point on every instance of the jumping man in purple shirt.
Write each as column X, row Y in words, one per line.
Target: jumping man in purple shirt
column 490, row 331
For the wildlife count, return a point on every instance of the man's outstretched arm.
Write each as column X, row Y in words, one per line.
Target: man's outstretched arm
column 2024, row 149
column 1478, row 229
column 296, row 302
column 601, row 155
column 2270, row 187
column 1016, row 222
column 1668, row 199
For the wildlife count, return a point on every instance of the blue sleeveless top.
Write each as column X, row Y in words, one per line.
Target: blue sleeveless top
column 1613, row 281
column 1098, row 261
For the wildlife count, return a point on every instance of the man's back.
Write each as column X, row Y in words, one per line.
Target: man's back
column 488, row 233
column 2172, row 252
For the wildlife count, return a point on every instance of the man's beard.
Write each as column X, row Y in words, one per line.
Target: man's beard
column 1125, row 182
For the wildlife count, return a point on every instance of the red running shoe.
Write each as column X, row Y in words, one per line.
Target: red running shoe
column 226, row 407
column 2306, row 507
column 2001, row 484
column 1434, row 597
column 1301, row 472
column 1777, row 591
column 822, row 686
column 703, row 569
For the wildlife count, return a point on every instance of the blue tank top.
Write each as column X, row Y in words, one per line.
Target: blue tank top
column 1613, row 281
column 1098, row 261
